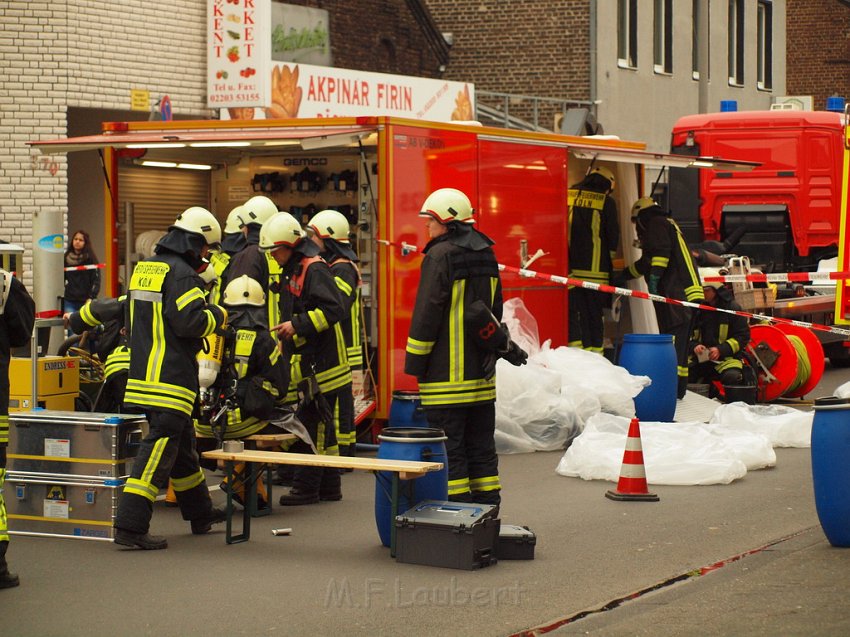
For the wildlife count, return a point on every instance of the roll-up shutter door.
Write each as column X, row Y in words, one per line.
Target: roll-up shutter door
column 158, row 195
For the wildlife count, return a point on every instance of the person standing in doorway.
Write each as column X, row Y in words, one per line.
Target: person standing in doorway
column 81, row 284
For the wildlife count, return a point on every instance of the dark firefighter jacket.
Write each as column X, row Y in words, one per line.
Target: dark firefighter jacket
column 17, row 317
column 729, row 333
column 347, row 277
column 458, row 269
column 314, row 306
column 261, row 267
column 169, row 317
column 666, row 261
column 594, row 234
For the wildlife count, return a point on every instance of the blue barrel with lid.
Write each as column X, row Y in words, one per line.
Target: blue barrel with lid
column 830, row 451
column 652, row 355
column 409, row 443
column 406, row 410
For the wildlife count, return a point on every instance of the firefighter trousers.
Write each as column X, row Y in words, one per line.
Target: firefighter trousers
column 471, row 451
column 322, row 430
column 585, row 318
column 168, row 451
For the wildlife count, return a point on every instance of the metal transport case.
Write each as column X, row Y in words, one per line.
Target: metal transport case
column 449, row 534
column 515, row 543
column 57, row 505
column 73, row 443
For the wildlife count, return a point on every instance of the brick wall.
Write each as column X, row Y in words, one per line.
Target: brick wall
column 534, row 47
column 818, row 55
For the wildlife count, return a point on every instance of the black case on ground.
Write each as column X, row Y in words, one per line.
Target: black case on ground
column 448, row 534
column 515, row 543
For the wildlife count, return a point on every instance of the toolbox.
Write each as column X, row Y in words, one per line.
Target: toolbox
column 57, row 505
column 448, row 534
column 515, row 543
column 73, row 443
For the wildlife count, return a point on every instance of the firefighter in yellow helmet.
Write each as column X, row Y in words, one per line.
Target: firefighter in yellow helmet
column 447, row 345
column 169, row 317
column 310, row 311
column 594, row 235
column 668, row 266
column 329, row 230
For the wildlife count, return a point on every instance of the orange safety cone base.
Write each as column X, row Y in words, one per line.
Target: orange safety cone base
column 640, row 497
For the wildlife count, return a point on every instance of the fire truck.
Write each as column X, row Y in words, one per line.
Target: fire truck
column 785, row 215
column 378, row 171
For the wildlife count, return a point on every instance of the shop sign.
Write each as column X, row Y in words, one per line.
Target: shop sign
column 300, row 34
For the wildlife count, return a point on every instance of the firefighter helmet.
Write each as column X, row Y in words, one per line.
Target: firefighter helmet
column 280, row 230
column 244, row 290
column 200, row 221
column 446, row 205
column 644, row 203
column 711, row 272
column 234, row 220
column 257, row 210
column 330, row 224
column 604, row 172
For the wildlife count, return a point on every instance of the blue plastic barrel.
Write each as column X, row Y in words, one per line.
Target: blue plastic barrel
column 652, row 355
column 409, row 443
column 406, row 410
column 830, row 451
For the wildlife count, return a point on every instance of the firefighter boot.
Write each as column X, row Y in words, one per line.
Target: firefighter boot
column 330, row 489
column 200, row 526
column 7, row 579
column 305, row 487
column 140, row 540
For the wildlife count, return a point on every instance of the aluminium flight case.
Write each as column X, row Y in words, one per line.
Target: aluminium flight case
column 57, row 505
column 448, row 534
column 72, row 443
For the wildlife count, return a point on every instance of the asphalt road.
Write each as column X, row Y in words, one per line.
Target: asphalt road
column 747, row 558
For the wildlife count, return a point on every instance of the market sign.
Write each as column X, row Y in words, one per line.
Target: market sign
column 246, row 82
column 300, row 34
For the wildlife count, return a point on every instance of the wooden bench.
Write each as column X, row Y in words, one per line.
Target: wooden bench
column 400, row 470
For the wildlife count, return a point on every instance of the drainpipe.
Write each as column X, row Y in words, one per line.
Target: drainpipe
column 593, row 27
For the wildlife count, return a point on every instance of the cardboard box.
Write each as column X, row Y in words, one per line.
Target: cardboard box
column 448, row 534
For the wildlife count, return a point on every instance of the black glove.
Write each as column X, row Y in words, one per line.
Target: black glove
column 512, row 352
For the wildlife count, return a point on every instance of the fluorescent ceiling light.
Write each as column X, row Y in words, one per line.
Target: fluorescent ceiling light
column 159, row 164
column 702, row 164
column 329, row 141
column 221, row 144
column 156, row 145
column 195, row 166
column 282, row 142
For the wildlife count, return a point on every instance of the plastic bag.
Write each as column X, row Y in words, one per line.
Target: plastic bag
column 782, row 426
column 522, row 325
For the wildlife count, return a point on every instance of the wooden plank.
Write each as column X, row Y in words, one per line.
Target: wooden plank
column 405, row 468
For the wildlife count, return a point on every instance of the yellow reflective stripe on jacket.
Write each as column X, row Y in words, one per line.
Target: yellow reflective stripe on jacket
column 588, row 275
column 633, row 271
column 659, row 262
column 729, row 363
column 159, row 395
column 317, row 318
column 117, row 361
column 192, row 295
column 456, row 331
column 4, row 430
column 734, row 345
column 87, row 316
column 157, row 353
column 273, row 289
column 343, row 286
column 459, row 392
column 689, row 263
column 694, row 293
column 419, row 348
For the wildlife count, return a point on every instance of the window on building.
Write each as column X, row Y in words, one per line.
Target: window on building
column 696, row 36
column 663, row 42
column 627, row 55
column 765, row 45
column 736, row 42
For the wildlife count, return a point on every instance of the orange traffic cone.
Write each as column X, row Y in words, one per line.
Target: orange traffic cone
column 632, row 484
column 170, row 497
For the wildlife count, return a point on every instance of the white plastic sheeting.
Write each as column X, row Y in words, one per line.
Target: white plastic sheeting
column 783, row 426
column 686, row 453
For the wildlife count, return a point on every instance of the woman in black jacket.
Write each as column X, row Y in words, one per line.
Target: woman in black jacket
column 80, row 285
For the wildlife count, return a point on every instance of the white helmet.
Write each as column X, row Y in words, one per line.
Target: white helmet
column 199, row 221
column 446, row 205
column 711, row 272
column 234, row 220
column 258, row 210
column 330, row 224
column 280, row 230
column 604, row 172
column 244, row 290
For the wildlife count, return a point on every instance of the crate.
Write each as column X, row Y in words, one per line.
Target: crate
column 57, row 505
column 74, row 443
column 515, row 543
column 756, row 298
column 448, row 534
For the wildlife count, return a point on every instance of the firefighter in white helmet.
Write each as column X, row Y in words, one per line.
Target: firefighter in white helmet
column 251, row 260
column 668, row 266
column 310, row 313
column 251, row 358
column 593, row 239
column 719, row 340
column 329, row 230
column 455, row 318
column 169, row 317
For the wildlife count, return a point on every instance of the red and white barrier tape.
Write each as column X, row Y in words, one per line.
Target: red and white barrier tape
column 96, row 266
column 779, row 277
column 610, row 289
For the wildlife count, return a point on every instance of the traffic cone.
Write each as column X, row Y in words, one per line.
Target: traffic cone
column 632, row 484
column 170, row 497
